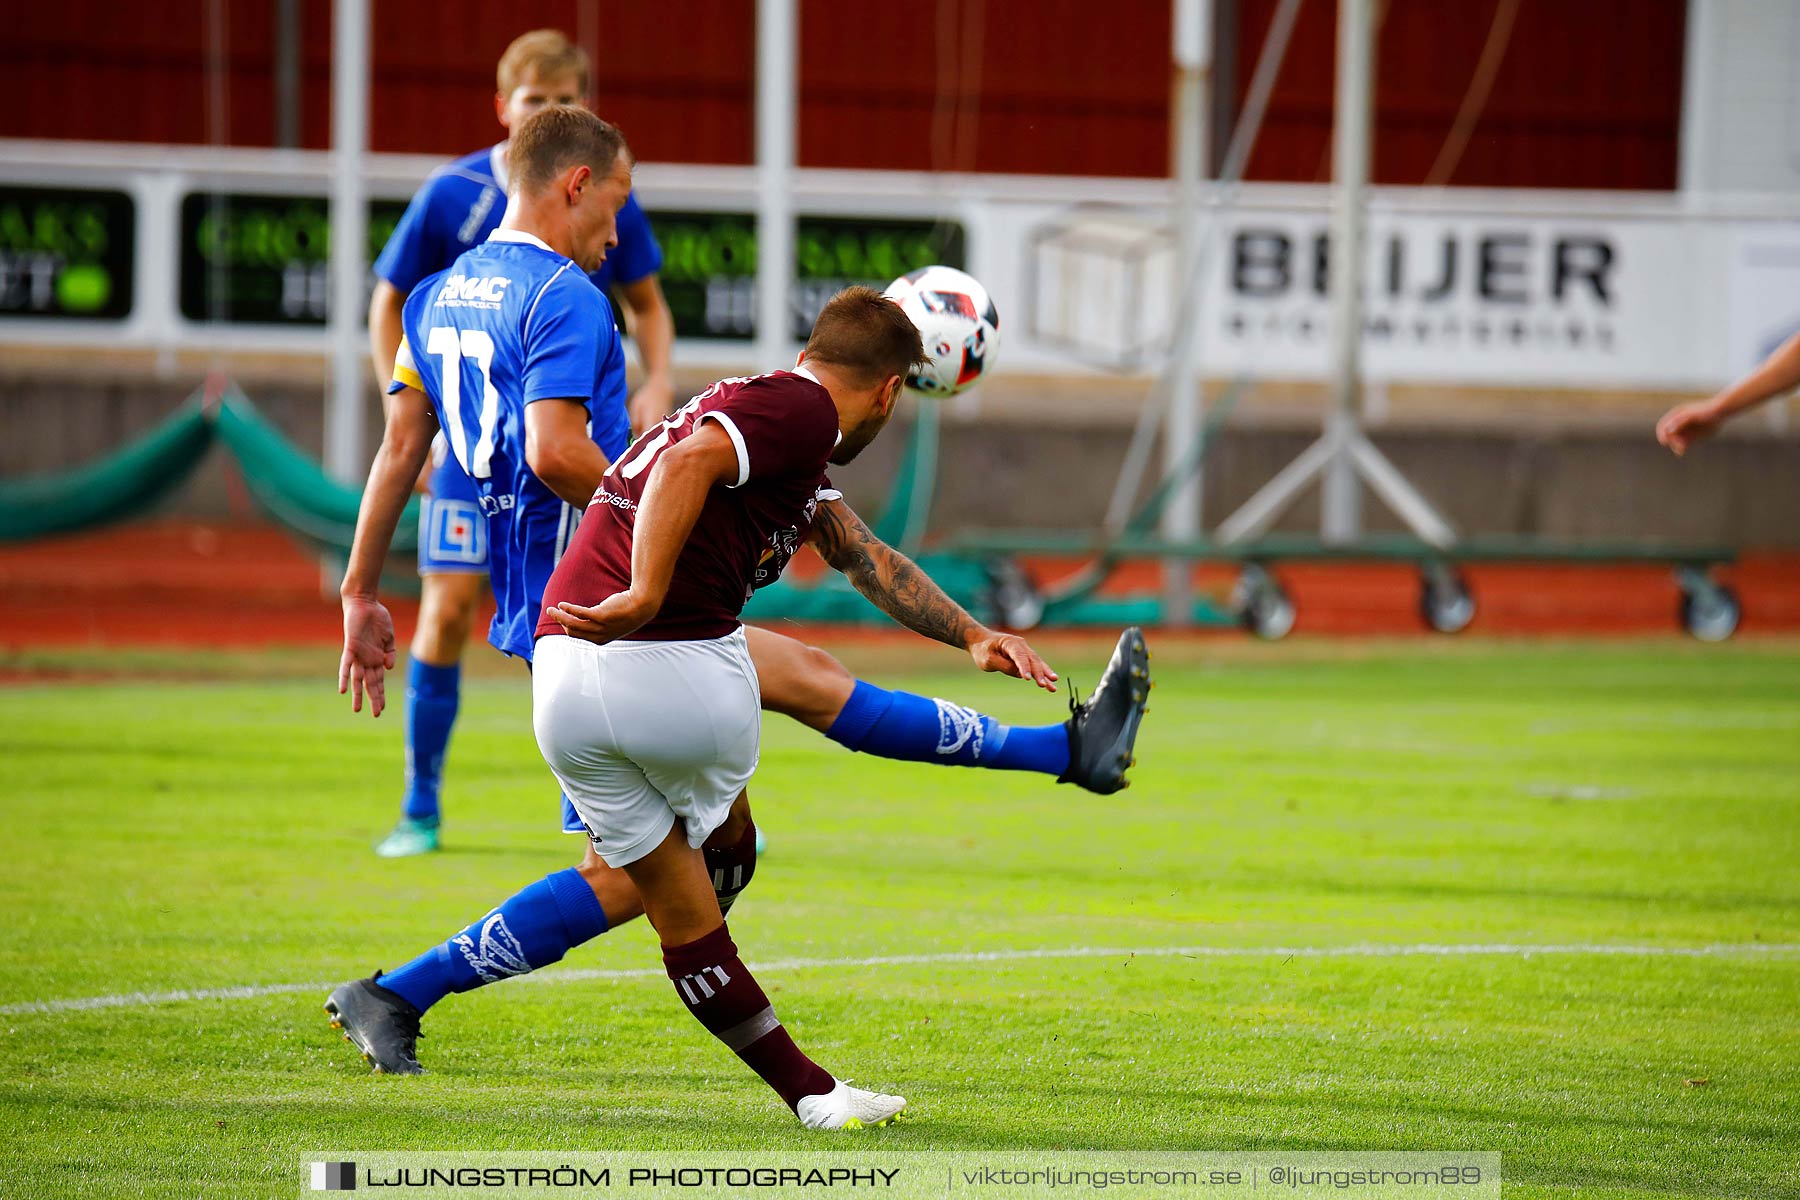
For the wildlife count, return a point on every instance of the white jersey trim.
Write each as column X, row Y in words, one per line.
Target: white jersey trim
column 737, row 442
column 565, row 528
column 525, row 328
column 463, row 173
column 519, row 235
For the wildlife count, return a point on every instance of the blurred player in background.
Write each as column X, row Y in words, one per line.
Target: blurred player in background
column 1686, row 424
column 458, row 207
column 517, row 364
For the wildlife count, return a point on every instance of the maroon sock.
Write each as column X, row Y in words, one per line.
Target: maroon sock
column 732, row 867
column 719, row 990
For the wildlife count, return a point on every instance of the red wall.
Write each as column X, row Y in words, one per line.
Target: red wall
column 1034, row 85
column 93, row 69
column 1588, row 94
column 676, row 75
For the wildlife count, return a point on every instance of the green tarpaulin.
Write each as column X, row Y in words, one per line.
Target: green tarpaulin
column 292, row 488
column 116, row 488
column 286, row 482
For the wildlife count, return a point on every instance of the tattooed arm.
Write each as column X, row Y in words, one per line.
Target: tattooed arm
column 896, row 585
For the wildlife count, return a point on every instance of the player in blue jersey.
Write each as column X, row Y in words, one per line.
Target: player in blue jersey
column 457, row 208
column 515, row 384
column 512, row 318
column 513, row 354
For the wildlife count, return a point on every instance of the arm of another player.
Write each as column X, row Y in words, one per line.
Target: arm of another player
column 413, row 250
column 896, row 585
column 1686, row 424
column 679, row 483
column 368, row 629
column 559, row 451
column 386, row 307
column 385, row 314
column 653, row 328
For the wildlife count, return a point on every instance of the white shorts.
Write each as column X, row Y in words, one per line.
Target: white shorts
column 641, row 734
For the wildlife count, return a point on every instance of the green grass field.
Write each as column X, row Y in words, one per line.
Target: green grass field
column 1341, row 802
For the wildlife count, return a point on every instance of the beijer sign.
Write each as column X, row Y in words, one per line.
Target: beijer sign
column 1444, row 297
column 1513, row 267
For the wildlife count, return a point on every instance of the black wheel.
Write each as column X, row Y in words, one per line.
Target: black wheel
column 1711, row 613
column 1262, row 607
column 1445, row 600
column 1012, row 596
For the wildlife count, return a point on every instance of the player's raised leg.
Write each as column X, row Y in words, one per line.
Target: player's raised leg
column 1092, row 748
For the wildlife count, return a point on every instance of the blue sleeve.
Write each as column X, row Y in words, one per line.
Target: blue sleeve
column 638, row 254
column 413, row 250
column 563, row 340
column 607, row 411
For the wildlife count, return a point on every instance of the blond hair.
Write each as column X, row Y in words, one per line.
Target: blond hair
column 542, row 54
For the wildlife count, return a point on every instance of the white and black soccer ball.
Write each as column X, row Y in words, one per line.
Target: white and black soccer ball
column 958, row 324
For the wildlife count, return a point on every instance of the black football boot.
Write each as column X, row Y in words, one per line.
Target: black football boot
column 383, row 1025
column 1103, row 731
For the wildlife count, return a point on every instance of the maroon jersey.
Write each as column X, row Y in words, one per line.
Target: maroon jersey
column 784, row 426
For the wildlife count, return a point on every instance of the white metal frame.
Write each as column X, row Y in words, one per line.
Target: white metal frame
column 1193, row 83
column 347, row 401
column 777, row 94
column 1344, row 458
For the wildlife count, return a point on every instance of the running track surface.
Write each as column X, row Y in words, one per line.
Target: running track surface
column 169, row 584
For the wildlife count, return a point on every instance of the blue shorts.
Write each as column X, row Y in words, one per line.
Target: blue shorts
column 453, row 535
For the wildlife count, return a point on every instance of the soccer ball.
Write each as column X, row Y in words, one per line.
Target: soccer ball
column 958, row 324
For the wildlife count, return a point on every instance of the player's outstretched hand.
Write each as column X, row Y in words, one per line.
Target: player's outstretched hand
column 1010, row 654
column 613, row 618
column 1686, row 424
column 368, row 653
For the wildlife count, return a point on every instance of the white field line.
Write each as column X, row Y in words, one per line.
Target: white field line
column 1366, row 950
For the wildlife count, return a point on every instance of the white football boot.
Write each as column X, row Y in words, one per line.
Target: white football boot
column 846, row 1107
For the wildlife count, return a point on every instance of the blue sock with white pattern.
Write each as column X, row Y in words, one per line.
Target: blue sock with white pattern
column 919, row 729
column 533, row 929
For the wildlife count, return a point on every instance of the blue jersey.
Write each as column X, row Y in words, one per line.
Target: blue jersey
column 464, row 201
column 510, row 323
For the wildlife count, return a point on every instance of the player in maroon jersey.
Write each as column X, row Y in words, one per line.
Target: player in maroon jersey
column 645, row 698
column 645, row 701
